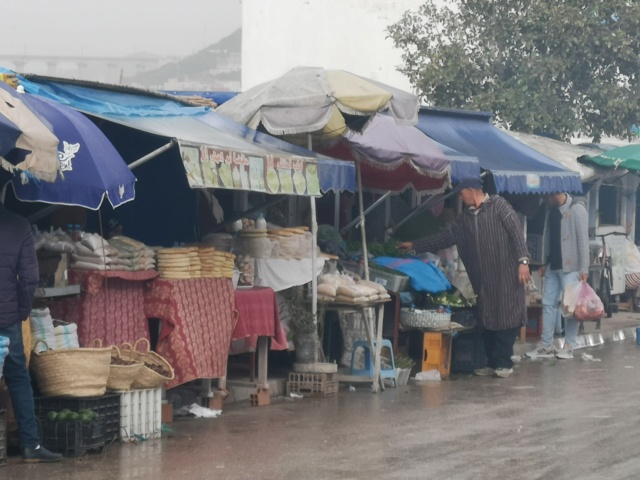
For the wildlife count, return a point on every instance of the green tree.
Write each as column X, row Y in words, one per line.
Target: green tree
column 559, row 66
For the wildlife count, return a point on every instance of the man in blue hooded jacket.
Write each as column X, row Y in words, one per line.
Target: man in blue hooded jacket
column 18, row 281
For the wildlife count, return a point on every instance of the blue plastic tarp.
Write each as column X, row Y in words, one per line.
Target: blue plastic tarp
column 424, row 276
column 516, row 168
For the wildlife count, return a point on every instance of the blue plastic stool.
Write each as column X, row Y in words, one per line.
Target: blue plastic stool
column 369, row 367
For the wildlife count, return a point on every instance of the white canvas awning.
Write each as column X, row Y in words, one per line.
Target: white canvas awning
column 562, row 152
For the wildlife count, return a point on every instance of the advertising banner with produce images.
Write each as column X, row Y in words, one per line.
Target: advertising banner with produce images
column 210, row 167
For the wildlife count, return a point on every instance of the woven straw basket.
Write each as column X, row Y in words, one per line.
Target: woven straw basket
column 75, row 372
column 424, row 318
column 121, row 377
column 146, row 378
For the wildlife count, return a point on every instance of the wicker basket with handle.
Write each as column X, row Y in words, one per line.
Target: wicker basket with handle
column 424, row 318
column 149, row 375
column 75, row 372
column 122, row 375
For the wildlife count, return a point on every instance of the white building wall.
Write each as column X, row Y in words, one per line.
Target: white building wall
column 349, row 35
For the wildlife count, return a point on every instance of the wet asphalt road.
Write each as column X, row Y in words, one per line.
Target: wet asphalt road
column 553, row 419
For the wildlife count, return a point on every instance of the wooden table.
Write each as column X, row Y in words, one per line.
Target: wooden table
column 376, row 381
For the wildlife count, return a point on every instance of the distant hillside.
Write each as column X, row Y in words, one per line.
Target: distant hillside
column 216, row 67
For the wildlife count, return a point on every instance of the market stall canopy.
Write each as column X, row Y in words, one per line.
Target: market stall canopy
column 34, row 152
column 462, row 166
column 562, row 152
column 394, row 157
column 335, row 175
column 627, row 157
column 323, row 102
column 515, row 167
column 212, row 157
column 90, row 166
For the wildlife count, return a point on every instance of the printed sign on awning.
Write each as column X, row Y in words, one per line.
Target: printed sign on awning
column 211, row 167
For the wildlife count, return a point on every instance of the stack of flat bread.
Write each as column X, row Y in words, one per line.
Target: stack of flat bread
column 216, row 264
column 194, row 260
column 227, row 264
column 291, row 241
column 179, row 263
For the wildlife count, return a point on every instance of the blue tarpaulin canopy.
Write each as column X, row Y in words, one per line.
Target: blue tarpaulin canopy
column 462, row 166
column 516, row 168
column 193, row 127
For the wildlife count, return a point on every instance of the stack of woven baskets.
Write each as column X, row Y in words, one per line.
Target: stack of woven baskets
column 89, row 372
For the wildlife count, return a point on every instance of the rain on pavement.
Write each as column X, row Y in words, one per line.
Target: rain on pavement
column 560, row 419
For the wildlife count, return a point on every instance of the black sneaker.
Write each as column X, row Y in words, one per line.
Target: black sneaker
column 39, row 454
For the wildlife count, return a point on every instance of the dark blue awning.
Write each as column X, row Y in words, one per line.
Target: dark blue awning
column 516, row 168
column 462, row 166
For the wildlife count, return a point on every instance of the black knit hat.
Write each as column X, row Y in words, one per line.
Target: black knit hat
column 468, row 182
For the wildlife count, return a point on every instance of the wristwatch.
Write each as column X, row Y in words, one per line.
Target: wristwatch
column 524, row 261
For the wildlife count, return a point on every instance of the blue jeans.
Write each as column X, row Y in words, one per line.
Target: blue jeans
column 16, row 374
column 554, row 283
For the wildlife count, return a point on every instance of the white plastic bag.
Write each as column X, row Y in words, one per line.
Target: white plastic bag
column 570, row 298
column 42, row 329
column 428, row 376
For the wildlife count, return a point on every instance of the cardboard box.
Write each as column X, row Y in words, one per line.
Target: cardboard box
column 53, row 269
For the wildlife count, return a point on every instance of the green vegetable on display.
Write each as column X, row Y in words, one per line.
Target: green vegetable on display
column 450, row 300
column 65, row 415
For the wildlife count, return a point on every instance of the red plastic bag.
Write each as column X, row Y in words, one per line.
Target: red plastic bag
column 589, row 307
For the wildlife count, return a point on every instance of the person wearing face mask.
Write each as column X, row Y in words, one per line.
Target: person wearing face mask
column 566, row 251
column 490, row 240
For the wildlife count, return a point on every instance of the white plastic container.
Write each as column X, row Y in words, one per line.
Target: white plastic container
column 140, row 414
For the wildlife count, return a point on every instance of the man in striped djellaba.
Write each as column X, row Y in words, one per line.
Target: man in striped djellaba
column 490, row 240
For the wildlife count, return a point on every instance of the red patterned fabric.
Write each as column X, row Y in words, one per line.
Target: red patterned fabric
column 257, row 316
column 92, row 280
column 198, row 317
column 110, row 306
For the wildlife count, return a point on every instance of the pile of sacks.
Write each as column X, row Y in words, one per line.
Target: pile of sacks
column 341, row 288
column 54, row 333
column 55, row 241
column 120, row 253
column 131, row 254
column 4, row 351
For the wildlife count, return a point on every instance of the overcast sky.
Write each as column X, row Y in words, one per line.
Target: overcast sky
column 115, row 27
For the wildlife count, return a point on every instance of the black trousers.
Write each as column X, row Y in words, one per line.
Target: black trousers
column 498, row 345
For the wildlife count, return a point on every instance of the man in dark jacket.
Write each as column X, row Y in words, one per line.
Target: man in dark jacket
column 490, row 240
column 18, row 282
